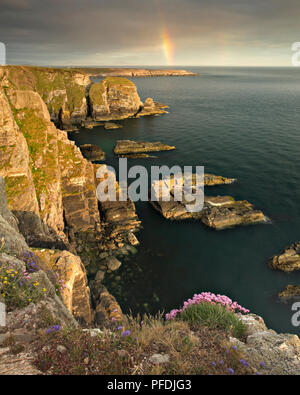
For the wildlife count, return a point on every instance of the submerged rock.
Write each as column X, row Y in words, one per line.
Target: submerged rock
column 129, row 146
column 92, row 152
column 288, row 260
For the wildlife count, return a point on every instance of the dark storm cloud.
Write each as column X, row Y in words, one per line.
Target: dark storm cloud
column 58, row 31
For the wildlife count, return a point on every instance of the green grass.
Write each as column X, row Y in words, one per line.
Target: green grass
column 215, row 317
column 111, row 81
column 96, row 93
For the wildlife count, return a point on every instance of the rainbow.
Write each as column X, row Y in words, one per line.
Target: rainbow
column 168, row 46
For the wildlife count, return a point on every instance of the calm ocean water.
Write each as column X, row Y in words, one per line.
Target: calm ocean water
column 237, row 122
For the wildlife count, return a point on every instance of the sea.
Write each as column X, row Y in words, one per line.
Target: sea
column 236, row 122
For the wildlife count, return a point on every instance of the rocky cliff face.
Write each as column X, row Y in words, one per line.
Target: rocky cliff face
column 51, row 190
column 71, row 97
column 62, row 90
column 114, row 98
column 48, row 182
column 52, row 269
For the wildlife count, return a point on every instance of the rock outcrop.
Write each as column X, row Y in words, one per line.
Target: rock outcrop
column 133, row 147
column 71, row 274
column 92, row 152
column 151, row 107
column 288, row 260
column 290, row 292
column 114, row 98
column 231, row 213
column 218, row 212
column 280, row 353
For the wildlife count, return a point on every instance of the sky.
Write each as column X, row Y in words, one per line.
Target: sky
column 150, row 32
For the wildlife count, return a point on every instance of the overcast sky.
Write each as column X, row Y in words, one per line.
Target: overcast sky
column 129, row 32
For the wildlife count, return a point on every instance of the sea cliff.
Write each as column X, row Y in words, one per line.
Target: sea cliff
column 58, row 242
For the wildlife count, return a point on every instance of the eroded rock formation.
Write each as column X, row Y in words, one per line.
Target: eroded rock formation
column 218, row 212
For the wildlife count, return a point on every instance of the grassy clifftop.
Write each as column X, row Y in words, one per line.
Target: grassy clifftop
column 58, row 87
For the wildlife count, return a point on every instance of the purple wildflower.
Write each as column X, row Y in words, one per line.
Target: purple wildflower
column 126, row 333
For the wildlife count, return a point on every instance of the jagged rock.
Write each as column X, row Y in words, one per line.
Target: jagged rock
column 290, row 292
column 111, row 125
column 128, row 146
column 119, row 217
column 288, row 260
column 112, row 263
column 92, row 152
column 133, row 239
column 279, row 353
column 253, row 324
column 151, row 107
column 71, row 272
column 107, row 308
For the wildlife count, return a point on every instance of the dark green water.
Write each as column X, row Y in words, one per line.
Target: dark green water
column 241, row 123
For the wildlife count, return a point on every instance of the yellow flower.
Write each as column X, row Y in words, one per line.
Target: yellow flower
column 44, row 289
column 5, row 282
column 3, row 295
column 12, row 275
column 29, row 300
